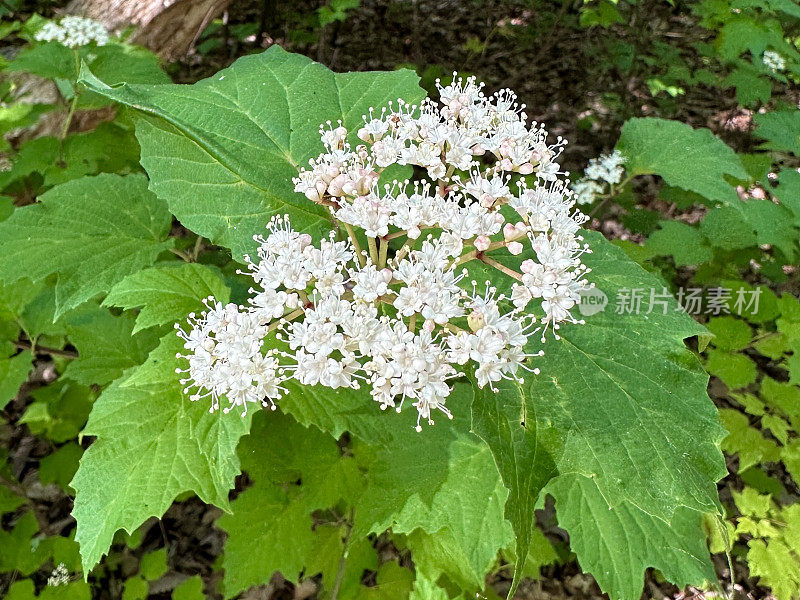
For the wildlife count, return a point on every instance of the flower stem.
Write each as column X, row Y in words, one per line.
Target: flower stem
column 354, row 240
column 289, row 317
column 373, row 250
column 466, row 257
column 384, row 245
column 501, row 267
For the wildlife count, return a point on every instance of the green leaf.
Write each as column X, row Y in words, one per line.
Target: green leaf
column 731, row 333
column 621, row 402
column 113, row 62
column 284, row 539
column 21, row 549
column 393, row 582
column 781, row 129
column 52, row 61
column 691, row 159
column 60, row 466
column 154, row 565
column 189, row 589
column 774, row 563
column 152, row 445
column 746, row 441
column 223, row 151
column 616, row 543
column 735, row 370
column 460, row 528
column 788, row 192
column 9, row 501
column 751, row 86
column 106, row 346
column 59, row 410
column 13, row 373
column 136, row 588
column 773, row 224
column 167, row 292
column 681, row 241
column 725, row 228
column 92, row 232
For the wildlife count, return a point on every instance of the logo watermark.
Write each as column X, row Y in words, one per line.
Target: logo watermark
column 694, row 301
column 592, row 302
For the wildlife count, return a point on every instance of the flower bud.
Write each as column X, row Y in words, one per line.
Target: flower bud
column 475, row 320
column 482, row 243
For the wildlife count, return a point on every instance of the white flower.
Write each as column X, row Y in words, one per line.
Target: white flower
column 225, row 358
column 586, row 191
column 73, row 32
column 773, row 61
column 59, row 576
column 395, row 316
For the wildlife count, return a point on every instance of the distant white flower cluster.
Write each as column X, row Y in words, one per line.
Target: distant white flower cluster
column 59, row 576
column 404, row 317
column 604, row 171
column 773, row 61
column 73, row 32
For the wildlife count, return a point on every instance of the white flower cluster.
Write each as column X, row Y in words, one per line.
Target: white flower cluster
column 604, row 171
column 59, row 576
column 73, row 32
column 401, row 317
column 773, row 61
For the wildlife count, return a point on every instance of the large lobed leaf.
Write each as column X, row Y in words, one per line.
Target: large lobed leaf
column 222, row 152
column 92, row 232
column 152, row 445
column 618, row 421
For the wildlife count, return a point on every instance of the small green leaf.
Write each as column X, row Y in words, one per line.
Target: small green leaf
column 724, row 228
column 60, row 466
column 13, row 373
column 154, row 564
column 167, row 292
column 735, row 370
column 746, row 441
column 9, row 501
column 781, row 129
column 731, row 333
column 189, row 589
column 681, row 241
column 776, row 566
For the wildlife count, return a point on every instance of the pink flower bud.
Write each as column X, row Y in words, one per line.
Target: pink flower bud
column 482, row 243
column 515, row 248
column 510, row 232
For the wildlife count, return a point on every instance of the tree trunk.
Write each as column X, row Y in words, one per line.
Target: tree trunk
column 168, row 27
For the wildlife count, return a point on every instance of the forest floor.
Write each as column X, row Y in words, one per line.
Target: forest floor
column 555, row 77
